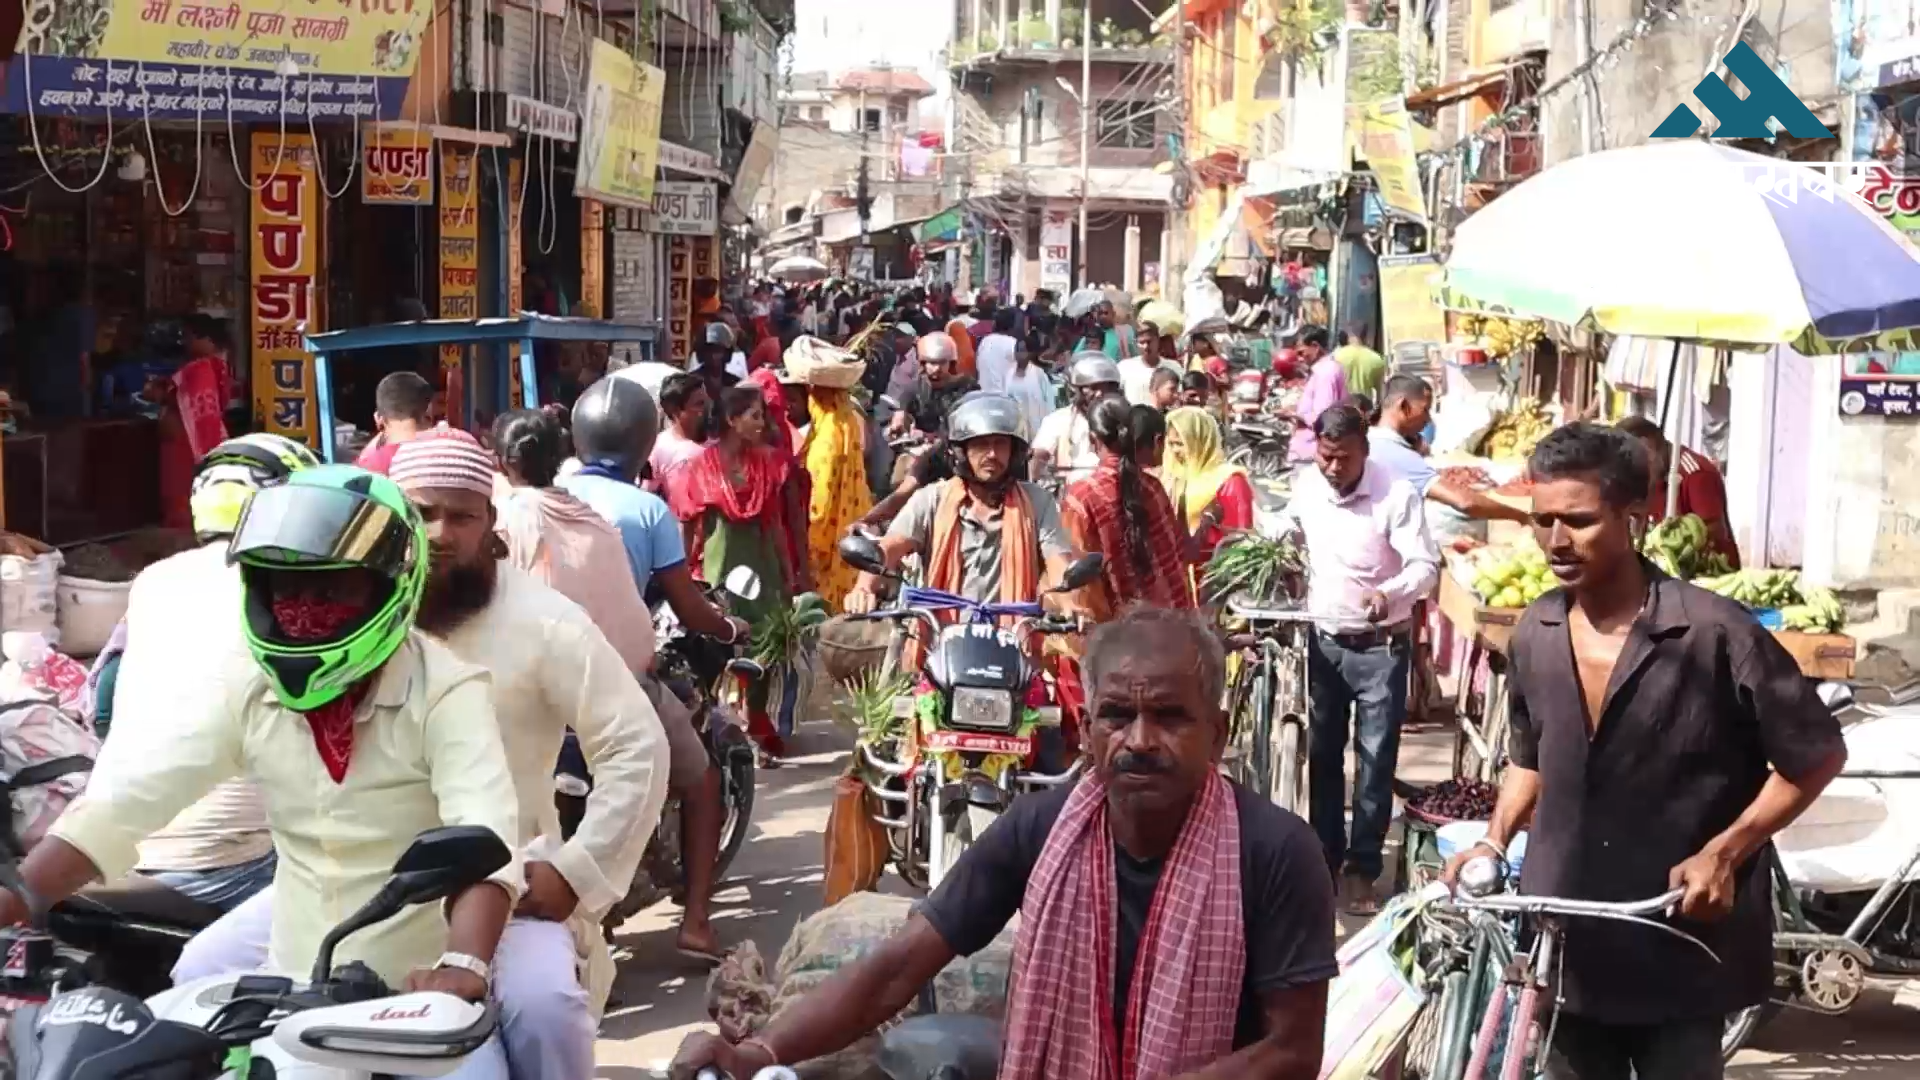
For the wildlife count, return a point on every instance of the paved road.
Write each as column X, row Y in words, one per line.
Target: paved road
column 776, row 882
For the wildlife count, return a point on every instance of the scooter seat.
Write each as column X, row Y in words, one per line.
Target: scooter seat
column 143, row 898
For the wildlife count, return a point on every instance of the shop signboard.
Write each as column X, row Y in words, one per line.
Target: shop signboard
column 593, row 259
column 175, row 59
column 680, row 298
column 1056, row 251
column 533, row 117
column 1386, row 142
column 285, row 258
column 685, row 208
column 396, row 167
column 620, row 128
column 459, row 250
column 1408, row 310
column 860, row 264
column 1892, row 190
column 1880, row 384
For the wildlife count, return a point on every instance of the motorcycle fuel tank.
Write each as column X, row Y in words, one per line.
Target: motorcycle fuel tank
column 978, row 655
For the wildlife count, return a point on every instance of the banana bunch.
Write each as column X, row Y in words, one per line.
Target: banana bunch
column 1678, row 546
column 1818, row 612
column 809, row 612
column 1513, row 435
column 1505, row 337
column 1757, row 588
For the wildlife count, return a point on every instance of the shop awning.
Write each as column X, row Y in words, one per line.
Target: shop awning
column 527, row 326
column 944, row 225
column 1434, row 97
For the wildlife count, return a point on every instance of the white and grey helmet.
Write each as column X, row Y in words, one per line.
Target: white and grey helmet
column 1091, row 368
column 718, row 334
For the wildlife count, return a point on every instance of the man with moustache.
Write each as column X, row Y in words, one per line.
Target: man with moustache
column 1201, row 911
column 1660, row 738
column 551, row 670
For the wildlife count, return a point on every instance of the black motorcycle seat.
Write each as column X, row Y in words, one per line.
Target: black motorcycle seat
column 137, row 897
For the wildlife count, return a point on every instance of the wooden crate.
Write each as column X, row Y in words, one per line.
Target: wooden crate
column 1820, row 656
column 1493, row 626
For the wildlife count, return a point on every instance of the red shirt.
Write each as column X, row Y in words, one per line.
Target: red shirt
column 1235, row 499
column 1703, row 492
column 378, row 458
column 766, row 354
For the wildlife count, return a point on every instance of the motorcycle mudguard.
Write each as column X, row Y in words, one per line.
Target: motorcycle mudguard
column 426, row 1034
column 950, row 1046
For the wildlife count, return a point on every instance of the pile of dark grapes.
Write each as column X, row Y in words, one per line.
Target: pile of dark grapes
column 1457, row 799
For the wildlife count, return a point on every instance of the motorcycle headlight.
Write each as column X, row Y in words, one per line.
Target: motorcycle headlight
column 982, row 709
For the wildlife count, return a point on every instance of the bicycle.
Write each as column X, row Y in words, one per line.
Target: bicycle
column 1269, row 703
column 1509, row 1032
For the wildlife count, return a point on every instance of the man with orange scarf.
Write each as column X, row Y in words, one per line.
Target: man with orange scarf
column 982, row 534
column 1172, row 924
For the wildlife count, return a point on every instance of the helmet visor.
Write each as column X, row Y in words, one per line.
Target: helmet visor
column 317, row 528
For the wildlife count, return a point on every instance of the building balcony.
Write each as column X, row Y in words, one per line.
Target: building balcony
column 985, row 53
column 1105, row 184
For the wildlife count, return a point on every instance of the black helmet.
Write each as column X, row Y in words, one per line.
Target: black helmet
column 615, row 421
column 981, row 414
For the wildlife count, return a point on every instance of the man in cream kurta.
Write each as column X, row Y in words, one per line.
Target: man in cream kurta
column 426, row 753
column 551, row 669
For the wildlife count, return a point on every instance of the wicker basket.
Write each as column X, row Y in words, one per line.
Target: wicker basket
column 818, row 363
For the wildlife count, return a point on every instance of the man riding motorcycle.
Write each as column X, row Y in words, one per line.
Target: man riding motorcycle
column 181, row 610
column 551, row 670
column 1064, row 446
column 983, row 534
column 927, row 395
column 359, row 731
column 614, row 427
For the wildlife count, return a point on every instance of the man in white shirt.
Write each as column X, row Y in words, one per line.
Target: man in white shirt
column 1136, row 372
column 1028, row 384
column 995, row 357
column 1064, row 444
column 1369, row 561
column 551, row 669
column 360, row 732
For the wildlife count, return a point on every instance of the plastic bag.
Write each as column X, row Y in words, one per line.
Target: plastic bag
column 29, row 593
column 856, row 844
column 45, row 754
column 1372, row 1005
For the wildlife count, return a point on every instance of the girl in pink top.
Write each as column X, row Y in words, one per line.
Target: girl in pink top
column 683, row 407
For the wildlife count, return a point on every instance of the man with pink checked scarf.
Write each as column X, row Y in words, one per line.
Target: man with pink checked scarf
column 1194, row 916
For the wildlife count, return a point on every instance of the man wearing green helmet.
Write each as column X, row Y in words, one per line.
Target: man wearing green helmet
column 180, row 613
column 360, row 731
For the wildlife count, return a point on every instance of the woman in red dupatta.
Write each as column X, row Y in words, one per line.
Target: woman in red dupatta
column 1125, row 514
column 732, row 500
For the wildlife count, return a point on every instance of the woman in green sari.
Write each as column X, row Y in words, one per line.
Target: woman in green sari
column 732, row 503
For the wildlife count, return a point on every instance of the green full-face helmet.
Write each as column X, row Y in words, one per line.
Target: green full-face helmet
column 331, row 517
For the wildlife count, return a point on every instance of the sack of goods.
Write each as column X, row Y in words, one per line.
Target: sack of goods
column 840, row 935
column 818, row 363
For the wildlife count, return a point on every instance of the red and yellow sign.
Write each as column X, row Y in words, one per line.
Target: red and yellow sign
column 396, row 168
column 285, row 260
column 459, row 259
column 680, row 298
column 516, row 288
column 593, row 259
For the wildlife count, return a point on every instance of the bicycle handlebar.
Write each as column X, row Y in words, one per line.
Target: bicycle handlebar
column 1521, row 904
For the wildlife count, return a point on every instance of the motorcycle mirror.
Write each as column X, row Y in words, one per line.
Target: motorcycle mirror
column 862, row 553
column 1082, row 571
column 743, row 582
column 745, row 668
column 441, row 862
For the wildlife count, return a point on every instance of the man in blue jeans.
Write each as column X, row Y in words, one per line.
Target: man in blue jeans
column 1369, row 561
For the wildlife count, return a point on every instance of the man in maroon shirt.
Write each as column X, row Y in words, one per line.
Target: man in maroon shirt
column 402, row 403
column 1703, row 491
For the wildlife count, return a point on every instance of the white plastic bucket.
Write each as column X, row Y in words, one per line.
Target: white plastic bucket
column 89, row 610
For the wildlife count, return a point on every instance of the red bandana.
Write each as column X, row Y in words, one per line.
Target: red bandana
column 305, row 618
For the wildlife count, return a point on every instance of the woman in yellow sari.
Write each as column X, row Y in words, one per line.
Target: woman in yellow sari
column 836, row 460
column 1212, row 493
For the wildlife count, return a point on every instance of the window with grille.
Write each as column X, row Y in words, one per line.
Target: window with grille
column 1125, row 125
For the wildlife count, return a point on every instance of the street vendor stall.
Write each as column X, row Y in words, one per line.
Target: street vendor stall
column 465, row 334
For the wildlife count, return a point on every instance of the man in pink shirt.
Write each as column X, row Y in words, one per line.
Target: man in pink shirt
column 1370, row 559
column 402, row 404
column 1326, row 387
column 683, row 401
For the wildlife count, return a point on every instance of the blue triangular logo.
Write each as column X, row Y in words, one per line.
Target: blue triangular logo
column 1768, row 98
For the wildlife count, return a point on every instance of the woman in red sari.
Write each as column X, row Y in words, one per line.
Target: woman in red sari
column 733, row 502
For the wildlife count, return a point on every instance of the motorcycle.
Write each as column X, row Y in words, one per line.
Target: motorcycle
column 1844, row 874
column 971, row 736
column 345, row 1024
column 702, row 673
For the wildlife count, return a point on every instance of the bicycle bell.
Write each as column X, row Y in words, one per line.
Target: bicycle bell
column 1483, row 875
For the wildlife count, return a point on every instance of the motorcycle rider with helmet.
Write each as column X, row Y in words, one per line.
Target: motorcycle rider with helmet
column 360, row 731
column 180, row 610
column 959, row 526
column 615, row 423
column 926, row 396
column 1064, row 448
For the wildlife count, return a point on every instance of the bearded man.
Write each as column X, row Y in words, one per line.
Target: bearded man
column 1195, row 916
column 552, row 669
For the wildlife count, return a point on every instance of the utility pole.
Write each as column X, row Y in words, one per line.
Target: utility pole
column 1086, row 126
column 1172, row 274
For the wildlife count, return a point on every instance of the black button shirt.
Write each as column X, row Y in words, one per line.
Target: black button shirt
column 1703, row 702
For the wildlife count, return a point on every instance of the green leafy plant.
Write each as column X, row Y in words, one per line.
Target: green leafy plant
column 1304, row 29
column 867, row 703
column 1247, row 564
column 1073, row 20
column 987, row 42
column 735, row 16
column 787, row 632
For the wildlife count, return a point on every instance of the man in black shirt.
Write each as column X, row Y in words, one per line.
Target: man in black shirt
column 1155, row 679
column 1660, row 737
